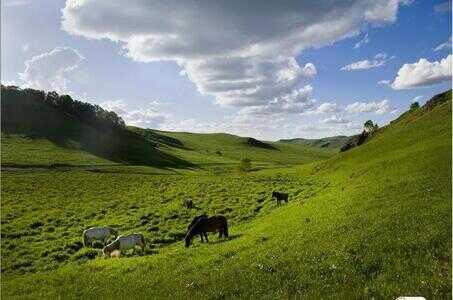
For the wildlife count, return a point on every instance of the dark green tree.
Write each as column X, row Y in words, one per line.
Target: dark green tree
column 369, row 126
column 414, row 106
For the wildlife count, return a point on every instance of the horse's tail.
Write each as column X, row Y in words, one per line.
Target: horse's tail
column 142, row 238
column 85, row 239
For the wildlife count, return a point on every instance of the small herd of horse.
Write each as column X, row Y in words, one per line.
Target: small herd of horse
column 200, row 225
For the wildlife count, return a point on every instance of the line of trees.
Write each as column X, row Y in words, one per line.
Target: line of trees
column 91, row 114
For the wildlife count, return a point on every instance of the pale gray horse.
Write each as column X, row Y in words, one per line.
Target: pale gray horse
column 125, row 242
column 98, row 234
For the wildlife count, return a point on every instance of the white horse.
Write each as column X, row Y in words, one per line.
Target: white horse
column 98, row 234
column 125, row 242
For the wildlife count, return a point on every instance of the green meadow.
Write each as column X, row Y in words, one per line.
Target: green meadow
column 372, row 222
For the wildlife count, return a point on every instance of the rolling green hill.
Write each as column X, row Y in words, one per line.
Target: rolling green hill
column 335, row 142
column 50, row 130
column 372, row 222
column 226, row 149
column 71, row 126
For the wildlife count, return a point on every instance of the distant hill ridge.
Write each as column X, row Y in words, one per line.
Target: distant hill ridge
column 46, row 128
column 328, row 142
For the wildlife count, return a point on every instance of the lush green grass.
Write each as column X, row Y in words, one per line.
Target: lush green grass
column 374, row 222
column 23, row 151
column 221, row 148
column 37, row 239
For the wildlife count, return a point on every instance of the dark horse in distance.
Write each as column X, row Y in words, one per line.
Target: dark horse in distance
column 195, row 220
column 203, row 225
column 280, row 196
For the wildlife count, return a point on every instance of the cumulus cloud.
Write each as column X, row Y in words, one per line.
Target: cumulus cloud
column 296, row 101
column 335, row 120
column 378, row 61
column 325, row 107
column 446, row 45
column 50, row 70
column 379, row 108
column 148, row 117
column 239, row 55
column 9, row 83
column 365, row 40
column 423, row 73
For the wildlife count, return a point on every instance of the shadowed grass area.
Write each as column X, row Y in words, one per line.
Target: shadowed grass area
column 373, row 222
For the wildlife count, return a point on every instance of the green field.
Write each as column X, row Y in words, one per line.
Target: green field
column 372, row 222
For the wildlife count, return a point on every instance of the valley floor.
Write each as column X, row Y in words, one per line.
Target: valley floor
column 374, row 222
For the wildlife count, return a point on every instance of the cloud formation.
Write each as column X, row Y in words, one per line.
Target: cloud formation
column 335, row 120
column 296, row 101
column 148, row 117
column 384, row 82
column 241, row 52
column 423, row 73
column 50, row 70
column 378, row 61
column 326, row 107
column 362, row 42
column 417, row 99
column 379, row 108
column 446, row 45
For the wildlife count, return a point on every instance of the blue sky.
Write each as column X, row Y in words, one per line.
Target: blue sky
column 276, row 71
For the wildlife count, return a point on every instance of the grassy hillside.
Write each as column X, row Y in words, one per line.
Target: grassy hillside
column 334, row 142
column 36, row 116
column 373, row 222
column 221, row 148
column 20, row 150
column 76, row 133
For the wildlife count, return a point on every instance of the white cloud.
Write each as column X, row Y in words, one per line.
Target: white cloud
column 365, row 40
column 446, row 45
column 143, row 117
column 325, row 107
column 379, row 108
column 384, row 82
column 25, row 47
column 241, row 55
column 9, row 82
column 335, row 120
column 417, row 99
column 296, row 101
column 50, row 70
column 423, row 73
column 378, row 61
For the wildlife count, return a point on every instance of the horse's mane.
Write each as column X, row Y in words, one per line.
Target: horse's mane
column 196, row 220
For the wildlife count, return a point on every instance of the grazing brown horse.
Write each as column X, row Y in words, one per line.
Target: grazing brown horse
column 280, row 196
column 195, row 220
column 211, row 224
